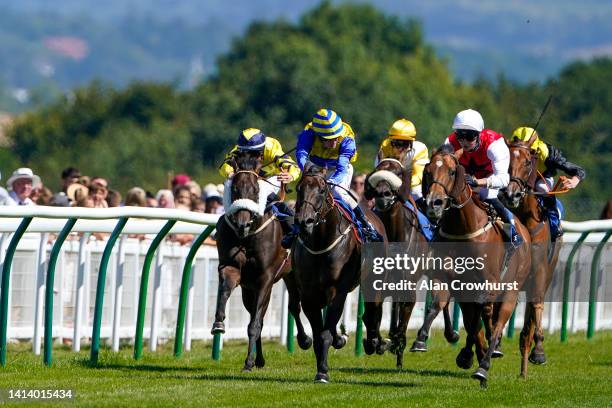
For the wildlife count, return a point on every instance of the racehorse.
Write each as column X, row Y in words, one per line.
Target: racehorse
column 463, row 219
column 250, row 255
column 386, row 185
column 520, row 197
column 327, row 262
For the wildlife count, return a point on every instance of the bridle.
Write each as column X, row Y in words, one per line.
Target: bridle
column 524, row 187
column 452, row 201
column 326, row 205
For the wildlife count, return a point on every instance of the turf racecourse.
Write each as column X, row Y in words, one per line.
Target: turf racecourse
column 577, row 374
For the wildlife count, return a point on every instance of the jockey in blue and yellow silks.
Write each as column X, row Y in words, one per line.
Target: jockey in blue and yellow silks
column 329, row 142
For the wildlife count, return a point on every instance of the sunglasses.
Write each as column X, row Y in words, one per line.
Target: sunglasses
column 401, row 143
column 469, row 135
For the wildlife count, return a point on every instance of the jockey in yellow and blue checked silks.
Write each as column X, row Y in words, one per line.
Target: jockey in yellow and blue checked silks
column 278, row 168
column 329, row 142
column 551, row 159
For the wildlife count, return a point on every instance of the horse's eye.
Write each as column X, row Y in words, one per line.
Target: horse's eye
column 452, row 173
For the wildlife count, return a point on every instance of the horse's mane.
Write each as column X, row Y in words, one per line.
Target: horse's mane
column 247, row 160
column 311, row 169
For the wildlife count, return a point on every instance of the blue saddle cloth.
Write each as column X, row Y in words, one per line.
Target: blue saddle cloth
column 426, row 227
column 354, row 219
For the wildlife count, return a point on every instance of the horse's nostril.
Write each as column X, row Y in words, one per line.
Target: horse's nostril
column 517, row 195
column 309, row 221
column 438, row 202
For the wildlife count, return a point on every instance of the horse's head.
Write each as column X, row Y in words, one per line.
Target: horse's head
column 522, row 171
column 443, row 180
column 245, row 190
column 384, row 182
column 312, row 192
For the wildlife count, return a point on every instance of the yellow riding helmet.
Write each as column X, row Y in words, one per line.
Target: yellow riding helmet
column 524, row 133
column 402, row 129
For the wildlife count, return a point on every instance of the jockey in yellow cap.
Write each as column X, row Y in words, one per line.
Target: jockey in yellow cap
column 550, row 159
column 401, row 144
column 278, row 168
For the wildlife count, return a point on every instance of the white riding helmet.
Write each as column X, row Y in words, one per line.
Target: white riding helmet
column 468, row 119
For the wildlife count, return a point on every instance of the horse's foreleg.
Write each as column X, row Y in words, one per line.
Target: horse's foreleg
column 258, row 301
column 537, row 355
column 505, row 311
column 450, row 335
column 304, row 341
column 399, row 340
column 372, row 317
column 526, row 337
column 334, row 312
column 439, row 301
column 322, row 338
column 229, row 278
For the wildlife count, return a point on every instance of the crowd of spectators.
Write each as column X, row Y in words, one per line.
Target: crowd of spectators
column 77, row 190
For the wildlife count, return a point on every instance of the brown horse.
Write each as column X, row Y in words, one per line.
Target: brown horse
column 462, row 219
column 544, row 252
column 327, row 260
column 250, row 255
column 385, row 184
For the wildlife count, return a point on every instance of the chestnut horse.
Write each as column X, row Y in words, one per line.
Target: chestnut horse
column 462, row 219
column 385, row 184
column 327, row 263
column 544, row 252
column 250, row 255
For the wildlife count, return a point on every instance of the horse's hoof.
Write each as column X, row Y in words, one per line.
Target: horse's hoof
column 218, row 328
column 418, row 346
column 382, row 346
column 497, row 353
column 369, row 347
column 465, row 359
column 340, row 341
column 304, row 342
column 452, row 338
column 481, row 375
column 247, row 369
column 321, row 378
column 537, row 358
column 260, row 364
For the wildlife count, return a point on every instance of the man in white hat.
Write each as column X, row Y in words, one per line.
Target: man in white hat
column 20, row 186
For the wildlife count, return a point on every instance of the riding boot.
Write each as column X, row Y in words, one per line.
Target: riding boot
column 509, row 227
column 294, row 229
column 286, row 218
column 369, row 231
column 552, row 212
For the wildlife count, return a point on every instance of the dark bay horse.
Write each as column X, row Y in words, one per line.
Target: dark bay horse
column 463, row 220
column 250, row 255
column 386, row 185
column 544, row 252
column 327, row 263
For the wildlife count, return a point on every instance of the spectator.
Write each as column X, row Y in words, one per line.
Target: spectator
column 214, row 203
column 136, row 197
column 151, row 200
column 76, row 191
column 113, row 198
column 87, row 202
column 358, row 184
column 195, row 189
column 41, row 195
column 165, row 199
column 98, row 193
column 20, row 186
column 70, row 176
column 60, row 200
column 100, row 180
column 182, row 198
column 198, row 205
column 180, row 180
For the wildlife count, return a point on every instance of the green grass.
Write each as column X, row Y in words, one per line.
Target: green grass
column 577, row 374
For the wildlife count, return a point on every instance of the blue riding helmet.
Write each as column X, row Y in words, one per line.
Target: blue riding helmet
column 251, row 139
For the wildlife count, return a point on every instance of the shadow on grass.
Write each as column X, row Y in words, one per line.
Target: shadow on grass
column 285, row 380
column 250, row 377
column 428, row 373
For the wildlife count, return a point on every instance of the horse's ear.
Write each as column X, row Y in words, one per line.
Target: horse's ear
column 532, row 139
column 458, row 154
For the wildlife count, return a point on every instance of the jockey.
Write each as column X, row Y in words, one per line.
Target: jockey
column 550, row 159
column 329, row 142
column 278, row 168
column 401, row 144
column 486, row 159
